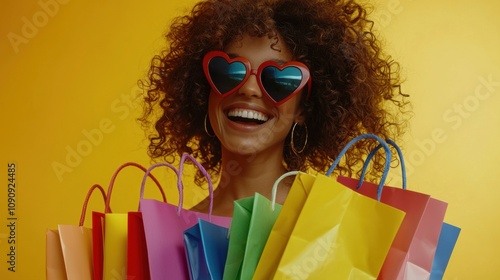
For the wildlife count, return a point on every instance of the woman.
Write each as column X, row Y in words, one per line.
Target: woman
column 256, row 88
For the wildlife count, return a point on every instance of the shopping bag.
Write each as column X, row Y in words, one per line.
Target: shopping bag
column 253, row 219
column 69, row 248
column 164, row 225
column 54, row 259
column 447, row 241
column 280, row 233
column 110, row 237
column 340, row 234
column 412, row 252
column 137, row 253
column 206, row 250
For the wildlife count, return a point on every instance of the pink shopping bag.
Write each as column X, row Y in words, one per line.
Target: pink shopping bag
column 164, row 225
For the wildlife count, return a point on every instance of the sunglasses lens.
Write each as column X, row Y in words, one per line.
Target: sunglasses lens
column 224, row 75
column 279, row 84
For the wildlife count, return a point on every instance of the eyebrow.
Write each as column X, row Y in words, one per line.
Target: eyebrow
column 279, row 61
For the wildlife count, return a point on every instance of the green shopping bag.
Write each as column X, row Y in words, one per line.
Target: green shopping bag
column 253, row 219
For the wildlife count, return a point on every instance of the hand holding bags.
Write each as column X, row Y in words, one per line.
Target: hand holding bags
column 164, row 225
column 69, row 249
column 339, row 233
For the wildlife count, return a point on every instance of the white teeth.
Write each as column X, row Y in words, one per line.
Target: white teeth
column 247, row 114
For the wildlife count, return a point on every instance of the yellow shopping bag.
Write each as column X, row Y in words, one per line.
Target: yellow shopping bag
column 110, row 235
column 340, row 234
column 285, row 222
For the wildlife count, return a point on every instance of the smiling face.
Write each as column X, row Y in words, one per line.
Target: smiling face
column 246, row 121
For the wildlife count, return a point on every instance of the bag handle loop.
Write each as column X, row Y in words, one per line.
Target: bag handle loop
column 86, row 202
column 276, row 183
column 148, row 173
column 207, row 176
column 374, row 151
column 180, row 186
column 387, row 159
column 113, row 179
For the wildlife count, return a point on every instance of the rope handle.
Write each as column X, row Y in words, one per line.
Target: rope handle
column 180, row 186
column 205, row 174
column 373, row 152
column 148, row 174
column 86, row 202
column 388, row 155
column 113, row 179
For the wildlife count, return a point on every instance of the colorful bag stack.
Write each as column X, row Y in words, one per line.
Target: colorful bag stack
column 327, row 228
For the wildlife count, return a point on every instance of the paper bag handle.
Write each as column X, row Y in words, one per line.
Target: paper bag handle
column 373, row 152
column 207, row 176
column 113, row 179
column 387, row 159
column 180, row 186
column 86, row 202
column 276, row 183
column 148, row 173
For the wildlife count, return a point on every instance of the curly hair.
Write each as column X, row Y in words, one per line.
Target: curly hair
column 356, row 87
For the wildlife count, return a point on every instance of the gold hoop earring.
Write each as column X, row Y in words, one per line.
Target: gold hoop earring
column 206, row 129
column 292, row 143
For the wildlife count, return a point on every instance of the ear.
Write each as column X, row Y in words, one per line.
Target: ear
column 300, row 117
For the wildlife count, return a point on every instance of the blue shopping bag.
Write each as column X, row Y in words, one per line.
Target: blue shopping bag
column 206, row 250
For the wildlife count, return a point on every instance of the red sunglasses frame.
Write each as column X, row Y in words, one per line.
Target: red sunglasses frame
column 306, row 78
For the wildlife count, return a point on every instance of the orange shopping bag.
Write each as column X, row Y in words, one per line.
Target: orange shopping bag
column 69, row 248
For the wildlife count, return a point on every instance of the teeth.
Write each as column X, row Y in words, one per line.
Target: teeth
column 247, row 114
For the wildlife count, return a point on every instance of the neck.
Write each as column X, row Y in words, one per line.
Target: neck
column 244, row 175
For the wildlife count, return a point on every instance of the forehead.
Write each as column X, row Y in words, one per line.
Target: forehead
column 259, row 49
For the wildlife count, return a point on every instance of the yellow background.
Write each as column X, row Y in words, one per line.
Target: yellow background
column 68, row 84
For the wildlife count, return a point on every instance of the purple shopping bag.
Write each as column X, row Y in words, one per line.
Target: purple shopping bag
column 164, row 225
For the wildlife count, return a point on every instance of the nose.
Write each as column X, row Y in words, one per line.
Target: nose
column 251, row 87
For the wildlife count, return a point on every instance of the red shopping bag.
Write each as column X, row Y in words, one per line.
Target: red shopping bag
column 69, row 249
column 164, row 225
column 412, row 252
column 110, row 234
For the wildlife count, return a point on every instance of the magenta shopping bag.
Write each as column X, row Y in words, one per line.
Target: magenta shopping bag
column 164, row 225
column 412, row 252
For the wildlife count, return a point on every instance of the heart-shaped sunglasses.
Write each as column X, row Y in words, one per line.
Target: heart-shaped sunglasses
column 279, row 82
